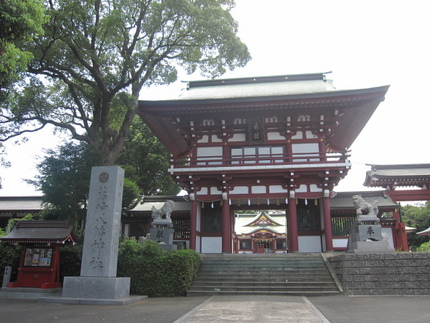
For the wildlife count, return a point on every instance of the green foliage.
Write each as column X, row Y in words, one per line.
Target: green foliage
column 12, row 222
column 129, row 248
column 65, row 179
column 20, row 21
column 425, row 247
column 9, row 256
column 146, row 161
column 70, row 260
column 155, row 272
column 95, row 57
column 416, row 216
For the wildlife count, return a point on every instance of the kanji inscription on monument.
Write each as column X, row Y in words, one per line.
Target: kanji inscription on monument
column 102, row 230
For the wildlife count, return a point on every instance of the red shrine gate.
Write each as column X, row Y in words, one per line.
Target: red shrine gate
column 277, row 141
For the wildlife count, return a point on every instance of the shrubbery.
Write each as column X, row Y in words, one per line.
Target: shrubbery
column 155, row 272
column 9, row 256
column 70, row 261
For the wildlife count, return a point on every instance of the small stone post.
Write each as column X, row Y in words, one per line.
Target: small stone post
column 6, row 276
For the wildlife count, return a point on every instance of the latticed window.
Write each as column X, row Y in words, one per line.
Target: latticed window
column 308, row 216
column 340, row 225
column 257, row 154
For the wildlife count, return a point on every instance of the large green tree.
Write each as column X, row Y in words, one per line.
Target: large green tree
column 20, row 20
column 416, row 216
column 97, row 55
column 146, row 161
column 64, row 178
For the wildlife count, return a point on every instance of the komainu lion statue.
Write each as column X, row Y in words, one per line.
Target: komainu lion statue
column 164, row 212
column 365, row 208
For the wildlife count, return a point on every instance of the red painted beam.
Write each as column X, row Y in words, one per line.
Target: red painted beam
column 409, row 195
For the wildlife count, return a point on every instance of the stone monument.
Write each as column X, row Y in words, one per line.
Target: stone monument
column 102, row 231
column 365, row 235
column 162, row 226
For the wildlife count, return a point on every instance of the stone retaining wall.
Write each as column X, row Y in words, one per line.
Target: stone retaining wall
column 383, row 274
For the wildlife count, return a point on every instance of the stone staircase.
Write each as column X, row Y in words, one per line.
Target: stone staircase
column 264, row 274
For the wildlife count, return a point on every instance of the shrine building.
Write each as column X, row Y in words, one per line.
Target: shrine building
column 263, row 143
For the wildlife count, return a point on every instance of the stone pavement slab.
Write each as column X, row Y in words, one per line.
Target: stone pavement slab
column 152, row 310
column 254, row 308
column 371, row 309
column 235, row 308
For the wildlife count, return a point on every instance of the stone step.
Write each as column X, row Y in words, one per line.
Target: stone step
column 260, row 269
column 258, row 277
column 249, row 281
column 262, row 288
column 191, row 293
column 265, row 285
column 279, row 267
column 281, row 275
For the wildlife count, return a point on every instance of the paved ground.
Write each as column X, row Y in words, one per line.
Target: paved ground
column 334, row 309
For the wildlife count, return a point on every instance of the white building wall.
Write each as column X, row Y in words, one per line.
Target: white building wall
column 389, row 233
column 211, row 245
column 310, row 244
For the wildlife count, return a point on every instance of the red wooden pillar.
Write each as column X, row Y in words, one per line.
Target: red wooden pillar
column 400, row 236
column 293, row 232
column 226, row 228
column 327, row 224
column 193, row 224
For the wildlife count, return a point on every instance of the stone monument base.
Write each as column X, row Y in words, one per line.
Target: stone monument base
column 367, row 238
column 372, row 247
column 168, row 247
column 96, row 287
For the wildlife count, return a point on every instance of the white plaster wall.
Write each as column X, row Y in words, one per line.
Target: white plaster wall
column 277, row 189
column 340, row 243
column 258, row 189
column 303, row 148
column 209, row 151
column 240, row 190
column 204, row 139
column 211, row 245
column 215, row 191
column 302, row 189
column 238, row 137
column 310, row 244
column 216, row 139
column 203, row 191
column 298, row 135
column 275, row 136
column 315, row 188
column 310, row 135
column 389, row 233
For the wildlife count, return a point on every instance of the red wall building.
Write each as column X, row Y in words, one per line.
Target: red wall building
column 279, row 141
